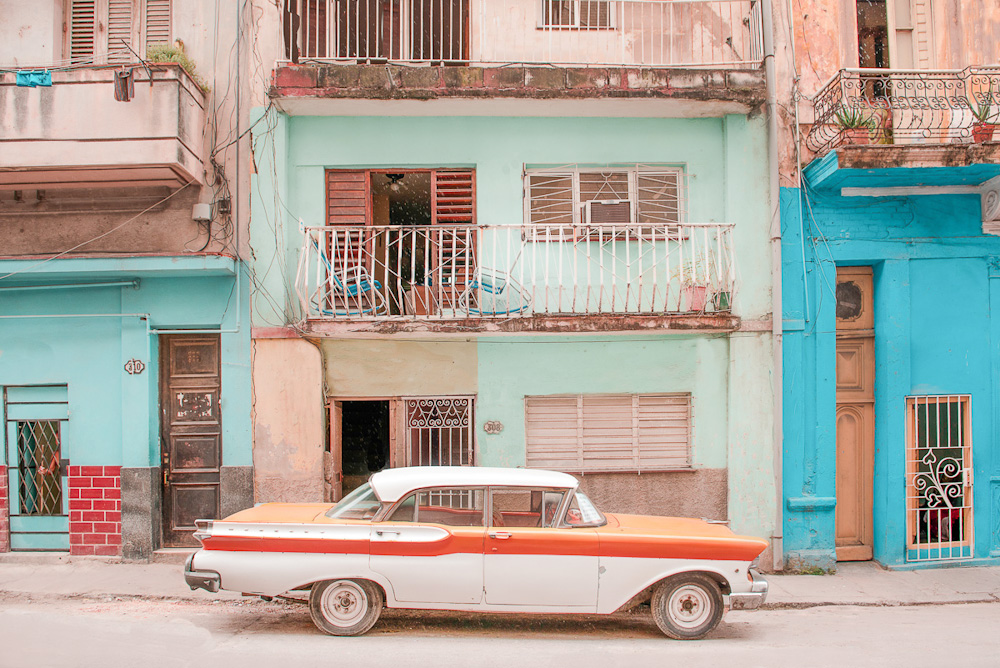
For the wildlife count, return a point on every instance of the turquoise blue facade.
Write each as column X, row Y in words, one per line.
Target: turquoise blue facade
column 90, row 327
column 936, row 284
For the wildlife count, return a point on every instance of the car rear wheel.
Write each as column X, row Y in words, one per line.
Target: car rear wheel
column 345, row 607
column 687, row 606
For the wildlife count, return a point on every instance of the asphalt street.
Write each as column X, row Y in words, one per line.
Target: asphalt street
column 114, row 631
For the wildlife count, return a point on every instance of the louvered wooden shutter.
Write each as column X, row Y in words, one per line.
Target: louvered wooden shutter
column 910, row 36
column 157, row 22
column 453, row 207
column 121, row 37
column 82, row 30
column 923, row 38
column 347, row 193
column 608, row 432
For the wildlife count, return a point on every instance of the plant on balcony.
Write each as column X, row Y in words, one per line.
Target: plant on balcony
column 174, row 53
column 986, row 114
column 855, row 124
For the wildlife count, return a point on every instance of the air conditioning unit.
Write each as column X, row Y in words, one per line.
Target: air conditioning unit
column 598, row 211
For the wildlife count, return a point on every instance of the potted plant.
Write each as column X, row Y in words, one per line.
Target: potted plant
column 986, row 114
column 856, row 126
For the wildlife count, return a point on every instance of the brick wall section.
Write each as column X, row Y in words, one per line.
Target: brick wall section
column 95, row 510
column 4, row 511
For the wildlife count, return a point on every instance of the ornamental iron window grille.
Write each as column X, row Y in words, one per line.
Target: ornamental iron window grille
column 439, row 431
column 38, row 467
column 939, row 478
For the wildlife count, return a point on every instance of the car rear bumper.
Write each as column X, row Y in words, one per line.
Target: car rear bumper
column 207, row 580
column 752, row 599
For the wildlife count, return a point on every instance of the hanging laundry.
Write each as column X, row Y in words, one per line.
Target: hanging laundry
column 124, row 85
column 33, row 78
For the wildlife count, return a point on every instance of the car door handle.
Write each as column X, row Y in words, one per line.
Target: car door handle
column 501, row 535
column 379, row 532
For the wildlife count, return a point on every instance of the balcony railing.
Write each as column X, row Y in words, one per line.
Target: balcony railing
column 458, row 272
column 635, row 33
column 872, row 106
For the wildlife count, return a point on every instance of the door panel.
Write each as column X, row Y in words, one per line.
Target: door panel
column 430, row 564
column 855, row 413
column 192, row 433
column 543, row 567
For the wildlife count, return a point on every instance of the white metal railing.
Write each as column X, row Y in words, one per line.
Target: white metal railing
column 445, row 272
column 638, row 33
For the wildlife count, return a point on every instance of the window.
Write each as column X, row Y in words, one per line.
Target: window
column 455, row 507
column 608, row 432
column 563, row 197
column 361, row 504
column 938, row 477
column 525, row 507
column 578, row 14
column 439, row 431
column 99, row 31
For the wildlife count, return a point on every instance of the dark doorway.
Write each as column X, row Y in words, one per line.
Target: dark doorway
column 365, row 441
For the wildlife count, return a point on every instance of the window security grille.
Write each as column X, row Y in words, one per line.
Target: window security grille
column 439, row 431
column 939, row 478
column 579, row 14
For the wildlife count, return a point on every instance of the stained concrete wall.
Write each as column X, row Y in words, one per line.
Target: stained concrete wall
column 377, row 368
column 289, row 420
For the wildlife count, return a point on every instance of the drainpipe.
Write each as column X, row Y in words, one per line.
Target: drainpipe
column 777, row 549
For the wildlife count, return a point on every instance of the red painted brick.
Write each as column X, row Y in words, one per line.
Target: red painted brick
column 113, row 516
column 107, row 550
column 94, row 539
column 112, row 494
column 76, row 539
column 112, row 470
column 102, row 482
column 91, row 470
column 105, row 504
column 80, row 482
column 105, row 527
column 81, row 549
column 75, row 515
column 74, row 493
column 81, row 527
column 91, row 493
column 115, row 539
column 73, row 470
column 93, row 516
column 80, row 504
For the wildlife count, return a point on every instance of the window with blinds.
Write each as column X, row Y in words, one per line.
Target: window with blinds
column 608, row 432
column 560, row 200
column 108, row 31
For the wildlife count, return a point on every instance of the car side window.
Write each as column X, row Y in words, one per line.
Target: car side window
column 460, row 507
column 525, row 507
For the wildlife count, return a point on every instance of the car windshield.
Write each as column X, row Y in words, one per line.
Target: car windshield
column 361, row 504
column 583, row 513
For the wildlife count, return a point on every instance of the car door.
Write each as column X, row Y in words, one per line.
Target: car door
column 529, row 561
column 431, row 547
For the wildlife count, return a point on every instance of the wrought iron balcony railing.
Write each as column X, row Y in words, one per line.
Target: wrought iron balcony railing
column 449, row 272
column 637, row 33
column 874, row 106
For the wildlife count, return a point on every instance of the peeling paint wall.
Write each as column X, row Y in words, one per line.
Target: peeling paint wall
column 386, row 368
column 288, row 435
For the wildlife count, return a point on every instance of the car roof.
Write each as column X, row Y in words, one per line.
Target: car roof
column 391, row 485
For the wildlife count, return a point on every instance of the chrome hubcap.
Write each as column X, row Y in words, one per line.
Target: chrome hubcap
column 344, row 603
column 689, row 606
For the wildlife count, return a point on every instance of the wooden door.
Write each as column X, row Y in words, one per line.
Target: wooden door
column 855, row 413
column 191, row 450
column 335, row 468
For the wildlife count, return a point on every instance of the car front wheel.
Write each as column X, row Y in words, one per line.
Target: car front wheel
column 345, row 607
column 687, row 606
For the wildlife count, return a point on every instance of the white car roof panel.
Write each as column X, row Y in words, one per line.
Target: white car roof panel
column 391, row 485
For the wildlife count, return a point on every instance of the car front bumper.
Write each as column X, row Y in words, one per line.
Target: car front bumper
column 752, row 599
column 207, row 580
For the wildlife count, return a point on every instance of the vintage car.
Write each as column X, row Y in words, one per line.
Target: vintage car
column 478, row 539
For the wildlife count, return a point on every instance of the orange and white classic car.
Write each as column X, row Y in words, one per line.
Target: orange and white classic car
column 479, row 539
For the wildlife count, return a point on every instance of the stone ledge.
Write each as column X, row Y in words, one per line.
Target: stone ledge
column 395, row 82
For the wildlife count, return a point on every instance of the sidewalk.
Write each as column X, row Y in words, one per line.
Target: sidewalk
column 854, row 583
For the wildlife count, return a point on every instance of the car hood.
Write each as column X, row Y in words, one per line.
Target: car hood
column 292, row 513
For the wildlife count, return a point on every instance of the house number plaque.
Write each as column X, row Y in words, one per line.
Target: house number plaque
column 493, row 427
column 134, row 367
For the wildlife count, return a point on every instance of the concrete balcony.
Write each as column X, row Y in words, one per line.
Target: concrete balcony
column 499, row 278
column 74, row 134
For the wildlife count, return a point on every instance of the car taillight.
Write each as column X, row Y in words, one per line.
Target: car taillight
column 203, row 529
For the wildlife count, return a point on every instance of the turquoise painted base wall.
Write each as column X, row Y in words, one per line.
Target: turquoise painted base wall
column 87, row 336
column 936, row 282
